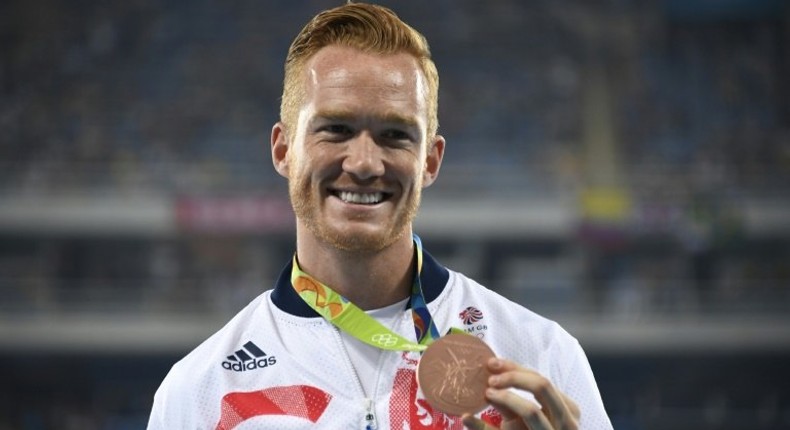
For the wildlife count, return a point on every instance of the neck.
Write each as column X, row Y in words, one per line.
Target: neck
column 370, row 280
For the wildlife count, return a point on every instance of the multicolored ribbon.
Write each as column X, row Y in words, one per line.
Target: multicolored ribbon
column 350, row 318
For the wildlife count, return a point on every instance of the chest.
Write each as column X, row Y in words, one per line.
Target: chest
column 323, row 378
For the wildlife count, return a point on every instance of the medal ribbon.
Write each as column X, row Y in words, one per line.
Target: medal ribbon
column 350, row 318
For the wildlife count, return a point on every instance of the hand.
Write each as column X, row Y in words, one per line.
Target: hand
column 556, row 411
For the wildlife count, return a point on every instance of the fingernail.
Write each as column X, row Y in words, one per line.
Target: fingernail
column 495, row 363
column 493, row 380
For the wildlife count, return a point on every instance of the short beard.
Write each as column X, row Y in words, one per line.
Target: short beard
column 305, row 205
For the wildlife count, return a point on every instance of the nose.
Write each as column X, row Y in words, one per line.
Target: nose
column 364, row 157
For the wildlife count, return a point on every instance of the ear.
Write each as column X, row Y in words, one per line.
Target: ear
column 433, row 161
column 279, row 142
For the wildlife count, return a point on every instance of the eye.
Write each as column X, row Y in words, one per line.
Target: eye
column 336, row 130
column 396, row 134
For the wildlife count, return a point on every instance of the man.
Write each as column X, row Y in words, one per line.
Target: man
column 358, row 142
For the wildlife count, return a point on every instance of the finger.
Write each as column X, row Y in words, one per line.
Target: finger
column 513, row 406
column 510, row 421
column 507, row 374
column 544, row 391
column 473, row 423
column 498, row 365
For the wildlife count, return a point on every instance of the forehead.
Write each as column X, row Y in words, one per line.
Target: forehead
column 343, row 75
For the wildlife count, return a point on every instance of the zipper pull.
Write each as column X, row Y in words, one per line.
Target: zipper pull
column 370, row 416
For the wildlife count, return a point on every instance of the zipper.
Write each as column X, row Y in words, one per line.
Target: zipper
column 369, row 420
column 370, row 416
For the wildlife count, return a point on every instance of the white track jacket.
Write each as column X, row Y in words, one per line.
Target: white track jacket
column 278, row 365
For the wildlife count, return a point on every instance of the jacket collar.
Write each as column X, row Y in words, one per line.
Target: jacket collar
column 433, row 278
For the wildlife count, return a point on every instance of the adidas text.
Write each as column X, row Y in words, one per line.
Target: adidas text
column 250, row 365
column 249, row 357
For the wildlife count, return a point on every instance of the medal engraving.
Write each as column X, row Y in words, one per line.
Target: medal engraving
column 453, row 376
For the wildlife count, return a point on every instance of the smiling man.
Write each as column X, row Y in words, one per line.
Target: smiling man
column 357, row 156
column 337, row 341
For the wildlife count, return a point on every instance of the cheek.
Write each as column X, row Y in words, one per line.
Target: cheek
column 416, row 172
column 301, row 165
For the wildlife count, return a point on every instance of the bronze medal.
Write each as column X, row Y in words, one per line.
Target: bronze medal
column 452, row 374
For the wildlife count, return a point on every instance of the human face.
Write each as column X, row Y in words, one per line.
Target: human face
column 359, row 156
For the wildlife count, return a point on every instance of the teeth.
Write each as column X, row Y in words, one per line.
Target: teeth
column 363, row 198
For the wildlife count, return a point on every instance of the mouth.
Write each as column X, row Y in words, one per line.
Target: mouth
column 360, row 198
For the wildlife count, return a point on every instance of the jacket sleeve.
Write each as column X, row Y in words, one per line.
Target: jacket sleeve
column 171, row 409
column 157, row 420
column 579, row 384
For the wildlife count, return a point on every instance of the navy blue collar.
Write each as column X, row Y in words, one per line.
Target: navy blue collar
column 433, row 279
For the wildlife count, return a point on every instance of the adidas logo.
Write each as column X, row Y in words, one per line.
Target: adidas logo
column 241, row 360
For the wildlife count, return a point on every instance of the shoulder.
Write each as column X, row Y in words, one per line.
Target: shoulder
column 466, row 289
column 515, row 332
column 199, row 375
column 511, row 325
column 227, row 337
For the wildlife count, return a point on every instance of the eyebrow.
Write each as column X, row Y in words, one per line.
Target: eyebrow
column 388, row 117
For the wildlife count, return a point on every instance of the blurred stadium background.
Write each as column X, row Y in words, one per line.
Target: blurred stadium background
column 622, row 166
